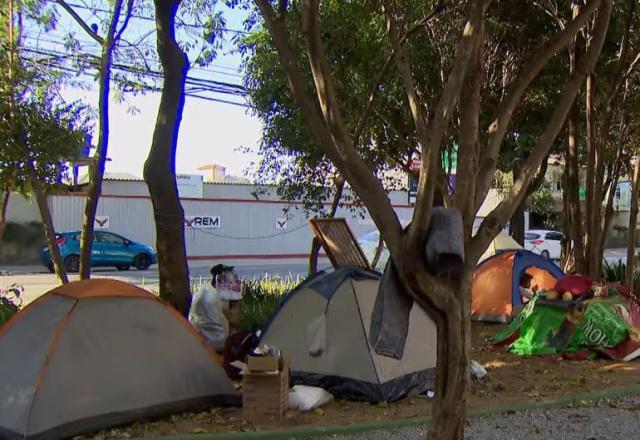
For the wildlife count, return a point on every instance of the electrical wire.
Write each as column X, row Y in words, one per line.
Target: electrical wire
column 147, row 18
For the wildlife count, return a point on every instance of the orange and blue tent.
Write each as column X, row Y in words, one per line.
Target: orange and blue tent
column 93, row 354
column 495, row 287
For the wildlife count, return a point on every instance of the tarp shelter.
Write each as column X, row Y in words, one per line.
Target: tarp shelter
column 323, row 327
column 608, row 325
column 495, row 286
column 93, row 354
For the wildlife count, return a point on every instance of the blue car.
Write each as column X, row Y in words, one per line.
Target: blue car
column 108, row 249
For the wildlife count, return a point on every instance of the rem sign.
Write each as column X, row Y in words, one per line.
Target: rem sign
column 190, row 186
column 202, row 221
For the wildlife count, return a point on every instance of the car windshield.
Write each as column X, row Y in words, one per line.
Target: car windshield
column 530, row 236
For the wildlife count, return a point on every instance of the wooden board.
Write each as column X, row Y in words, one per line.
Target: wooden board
column 339, row 243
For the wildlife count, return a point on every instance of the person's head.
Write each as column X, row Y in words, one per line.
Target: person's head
column 219, row 269
column 526, row 280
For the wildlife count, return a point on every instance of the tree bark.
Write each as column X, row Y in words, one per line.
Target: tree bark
column 574, row 211
column 97, row 166
column 4, row 206
column 159, row 168
column 516, row 225
column 47, row 227
column 633, row 222
column 313, row 256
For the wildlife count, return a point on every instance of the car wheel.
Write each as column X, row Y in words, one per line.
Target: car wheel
column 545, row 254
column 123, row 267
column 142, row 261
column 72, row 263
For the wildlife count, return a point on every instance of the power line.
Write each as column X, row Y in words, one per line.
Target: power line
column 194, row 87
column 146, row 18
column 152, row 58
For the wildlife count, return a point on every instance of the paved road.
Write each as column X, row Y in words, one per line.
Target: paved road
column 37, row 280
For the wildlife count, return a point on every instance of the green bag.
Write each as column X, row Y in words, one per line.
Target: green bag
column 601, row 325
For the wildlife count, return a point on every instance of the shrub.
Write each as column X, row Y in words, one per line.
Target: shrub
column 261, row 298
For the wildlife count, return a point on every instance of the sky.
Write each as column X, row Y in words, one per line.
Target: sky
column 211, row 132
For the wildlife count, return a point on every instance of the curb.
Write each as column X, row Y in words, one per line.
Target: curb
column 318, row 431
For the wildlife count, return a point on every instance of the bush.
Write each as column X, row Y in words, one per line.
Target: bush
column 261, row 298
column 616, row 273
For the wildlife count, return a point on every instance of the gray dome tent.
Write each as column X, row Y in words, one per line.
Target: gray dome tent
column 323, row 326
column 98, row 353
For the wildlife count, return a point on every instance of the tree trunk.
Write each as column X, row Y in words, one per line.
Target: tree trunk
column 4, row 206
column 159, row 169
column 452, row 365
column 48, row 229
column 313, row 256
column 517, row 223
column 633, row 221
column 315, row 243
column 590, row 187
column 574, row 211
column 96, row 169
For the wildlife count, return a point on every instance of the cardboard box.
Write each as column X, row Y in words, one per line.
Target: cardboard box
column 263, row 363
column 265, row 394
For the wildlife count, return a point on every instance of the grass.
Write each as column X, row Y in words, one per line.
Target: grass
column 261, row 298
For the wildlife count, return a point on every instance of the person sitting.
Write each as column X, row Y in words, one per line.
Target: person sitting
column 206, row 312
column 525, row 287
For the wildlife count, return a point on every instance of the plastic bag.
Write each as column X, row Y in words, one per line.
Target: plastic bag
column 206, row 315
column 306, row 398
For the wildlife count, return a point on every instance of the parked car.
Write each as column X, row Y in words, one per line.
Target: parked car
column 545, row 242
column 108, row 249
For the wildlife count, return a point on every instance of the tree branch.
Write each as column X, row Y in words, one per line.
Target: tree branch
column 468, row 149
column 496, row 220
column 83, row 24
column 431, row 135
column 337, row 148
column 498, row 128
column 125, row 23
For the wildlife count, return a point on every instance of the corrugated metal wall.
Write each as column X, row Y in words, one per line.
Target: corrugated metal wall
column 247, row 228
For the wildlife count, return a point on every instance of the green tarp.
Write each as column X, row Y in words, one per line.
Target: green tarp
column 552, row 327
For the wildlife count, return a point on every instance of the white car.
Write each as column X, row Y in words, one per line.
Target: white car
column 369, row 243
column 545, row 242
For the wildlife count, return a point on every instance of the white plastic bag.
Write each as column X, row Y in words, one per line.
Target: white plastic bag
column 306, row 398
column 478, row 372
column 206, row 316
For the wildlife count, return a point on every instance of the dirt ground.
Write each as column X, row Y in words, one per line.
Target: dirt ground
column 510, row 379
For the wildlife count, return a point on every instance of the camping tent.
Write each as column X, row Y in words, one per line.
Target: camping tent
column 97, row 353
column 323, row 326
column 503, row 242
column 495, row 286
